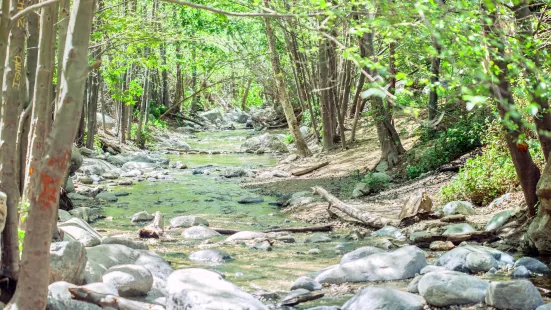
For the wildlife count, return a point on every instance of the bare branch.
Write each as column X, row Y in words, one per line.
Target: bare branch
column 30, row 9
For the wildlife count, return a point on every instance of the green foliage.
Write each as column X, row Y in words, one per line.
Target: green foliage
column 377, row 181
column 458, row 139
column 289, row 139
column 483, row 178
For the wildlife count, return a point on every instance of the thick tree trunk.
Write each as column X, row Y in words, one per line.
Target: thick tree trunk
column 46, row 179
column 13, row 98
column 302, row 147
column 327, row 99
column 4, row 35
column 525, row 37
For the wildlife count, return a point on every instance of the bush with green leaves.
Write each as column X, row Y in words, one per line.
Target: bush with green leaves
column 377, row 181
column 449, row 144
column 484, row 177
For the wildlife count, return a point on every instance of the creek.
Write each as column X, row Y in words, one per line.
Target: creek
column 214, row 198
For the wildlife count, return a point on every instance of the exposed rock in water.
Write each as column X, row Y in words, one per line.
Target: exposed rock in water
column 299, row 296
column 77, row 229
column 451, row 288
column 456, row 259
column 441, row 246
column 67, row 262
column 360, row 253
column 246, row 235
column 403, row 263
column 107, row 196
column 317, row 238
column 376, row 298
column 186, row 221
column 199, row 233
column 521, row 294
column 210, row 256
column 262, row 246
column 137, row 245
column 267, row 142
column 458, row 207
column 306, row 283
column 202, row 289
column 233, row 172
column 142, row 216
column 520, row 272
column 389, row 232
column 250, row 199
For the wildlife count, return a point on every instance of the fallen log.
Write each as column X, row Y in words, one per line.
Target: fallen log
column 303, row 171
column 107, row 301
column 366, row 218
column 289, row 229
column 154, row 230
column 109, row 144
column 456, row 218
column 478, row 236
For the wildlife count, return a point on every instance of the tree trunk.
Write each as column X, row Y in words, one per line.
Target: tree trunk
column 4, row 36
column 245, row 95
column 123, row 116
column 64, row 11
column 195, row 101
column 434, row 78
column 327, row 99
column 14, row 76
column 142, row 108
column 302, row 147
column 46, row 179
column 91, row 124
column 525, row 37
column 528, row 173
column 178, row 95
column 166, row 99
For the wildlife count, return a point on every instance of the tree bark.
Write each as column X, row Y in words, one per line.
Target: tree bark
column 166, row 99
column 64, row 11
column 107, row 301
column 303, row 171
column 327, row 98
column 302, row 147
column 14, row 79
column 46, row 179
column 245, row 95
column 91, row 124
column 367, row 218
column 142, row 108
column 434, row 78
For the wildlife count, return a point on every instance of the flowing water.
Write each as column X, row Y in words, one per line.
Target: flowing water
column 215, row 199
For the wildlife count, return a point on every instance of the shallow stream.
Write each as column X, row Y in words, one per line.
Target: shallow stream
column 215, row 199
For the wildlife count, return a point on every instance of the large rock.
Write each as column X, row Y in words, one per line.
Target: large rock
column 105, row 256
column 214, row 256
column 78, row 229
column 520, row 294
column 94, row 166
column 532, row 264
column 67, row 262
column 451, row 288
column 109, row 121
column 70, row 304
column 538, row 233
column 458, row 207
column 199, row 233
column 233, row 172
column 107, row 196
column 499, row 219
column 60, row 290
column 188, row 221
column 201, row 289
column 400, row 264
column 318, row 238
column 246, row 235
column 376, row 298
column 390, row 232
column 142, row 216
column 480, row 262
column 132, row 165
column 137, row 245
column 456, row 259
column 212, row 115
column 419, row 202
column 76, row 160
column 87, row 214
column 306, row 283
column 457, row 229
column 266, row 142
column 360, row 253
column 129, row 280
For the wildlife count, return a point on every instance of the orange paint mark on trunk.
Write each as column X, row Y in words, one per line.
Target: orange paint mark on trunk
column 50, row 188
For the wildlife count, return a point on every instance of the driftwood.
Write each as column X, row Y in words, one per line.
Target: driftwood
column 366, row 218
column 478, row 236
column 154, row 230
column 107, row 301
column 290, row 229
column 109, row 144
column 453, row 218
column 302, row 171
column 301, row 298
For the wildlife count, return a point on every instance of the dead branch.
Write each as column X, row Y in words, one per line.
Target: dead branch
column 303, row 171
column 110, row 301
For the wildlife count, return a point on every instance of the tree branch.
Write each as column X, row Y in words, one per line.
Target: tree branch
column 30, row 9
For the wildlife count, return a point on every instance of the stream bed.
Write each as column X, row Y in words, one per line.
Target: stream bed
column 214, row 198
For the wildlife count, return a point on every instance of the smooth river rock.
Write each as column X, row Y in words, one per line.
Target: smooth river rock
column 451, row 288
column 360, row 253
column 306, row 283
column 130, row 280
column 403, row 263
column 201, row 289
column 519, row 294
column 186, row 221
column 377, row 298
column 199, row 233
column 210, row 256
column 67, row 262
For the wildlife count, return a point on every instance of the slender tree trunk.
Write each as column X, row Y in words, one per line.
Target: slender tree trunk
column 302, row 147
column 123, row 116
column 103, row 103
column 326, row 99
column 435, row 77
column 142, row 108
column 91, row 124
column 13, row 98
column 166, row 99
column 245, row 95
column 178, row 95
column 46, row 179
column 195, row 100
column 4, row 36
column 64, row 11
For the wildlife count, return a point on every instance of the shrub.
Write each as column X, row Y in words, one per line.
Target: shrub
column 483, row 178
column 376, row 181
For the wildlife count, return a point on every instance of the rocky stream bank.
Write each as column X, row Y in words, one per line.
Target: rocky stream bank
column 220, row 245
